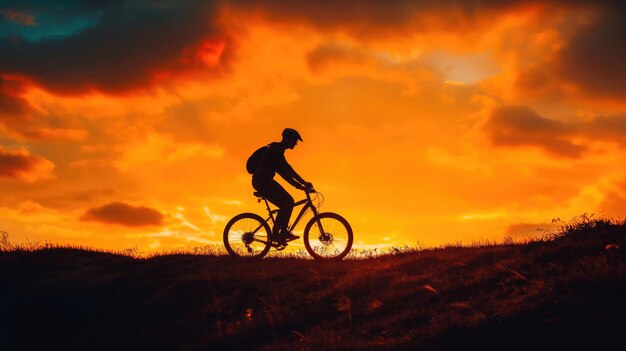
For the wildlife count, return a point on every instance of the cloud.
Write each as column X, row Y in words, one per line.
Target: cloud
column 373, row 18
column 594, row 58
column 124, row 214
column 55, row 134
column 331, row 53
column 214, row 217
column 590, row 59
column 130, row 45
column 21, row 164
column 521, row 126
column 416, row 69
column 189, row 121
column 21, row 120
column 12, row 106
column 608, row 127
column 18, row 17
column 161, row 151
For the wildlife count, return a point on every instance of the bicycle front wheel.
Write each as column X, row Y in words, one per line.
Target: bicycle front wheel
column 247, row 235
column 328, row 236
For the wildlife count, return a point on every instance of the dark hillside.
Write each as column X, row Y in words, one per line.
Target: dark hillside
column 567, row 293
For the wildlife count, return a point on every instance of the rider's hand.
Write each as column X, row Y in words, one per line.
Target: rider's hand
column 308, row 185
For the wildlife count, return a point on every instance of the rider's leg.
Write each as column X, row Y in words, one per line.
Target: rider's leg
column 281, row 198
column 277, row 195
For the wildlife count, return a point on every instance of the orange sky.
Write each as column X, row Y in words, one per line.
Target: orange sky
column 128, row 124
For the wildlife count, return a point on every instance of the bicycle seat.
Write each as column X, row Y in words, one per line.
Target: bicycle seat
column 257, row 194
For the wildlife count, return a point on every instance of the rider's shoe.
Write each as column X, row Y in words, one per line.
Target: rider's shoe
column 285, row 237
column 288, row 237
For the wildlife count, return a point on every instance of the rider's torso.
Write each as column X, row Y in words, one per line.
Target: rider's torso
column 272, row 160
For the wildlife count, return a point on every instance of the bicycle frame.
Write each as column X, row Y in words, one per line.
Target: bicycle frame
column 307, row 204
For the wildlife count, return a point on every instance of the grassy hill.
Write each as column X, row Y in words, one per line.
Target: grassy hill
column 565, row 293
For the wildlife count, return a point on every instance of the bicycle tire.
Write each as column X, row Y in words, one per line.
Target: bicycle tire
column 243, row 224
column 331, row 222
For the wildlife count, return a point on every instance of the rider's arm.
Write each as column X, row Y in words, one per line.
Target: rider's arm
column 292, row 181
column 288, row 173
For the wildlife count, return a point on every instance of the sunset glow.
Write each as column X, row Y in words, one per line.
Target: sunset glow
column 128, row 124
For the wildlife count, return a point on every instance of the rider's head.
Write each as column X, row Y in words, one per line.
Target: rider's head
column 291, row 137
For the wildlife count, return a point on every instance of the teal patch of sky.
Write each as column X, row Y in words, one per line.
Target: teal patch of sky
column 48, row 26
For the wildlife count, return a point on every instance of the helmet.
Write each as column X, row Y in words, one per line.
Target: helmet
column 291, row 133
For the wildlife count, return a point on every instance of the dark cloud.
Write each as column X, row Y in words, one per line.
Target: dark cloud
column 12, row 106
column 130, row 42
column 21, row 164
column 521, row 126
column 124, row 214
column 334, row 14
column 611, row 128
column 60, row 7
column 594, row 58
column 371, row 17
column 591, row 59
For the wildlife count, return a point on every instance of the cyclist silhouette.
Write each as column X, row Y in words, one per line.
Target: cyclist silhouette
column 271, row 162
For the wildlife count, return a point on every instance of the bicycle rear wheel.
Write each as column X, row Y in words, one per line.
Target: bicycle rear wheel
column 247, row 235
column 328, row 236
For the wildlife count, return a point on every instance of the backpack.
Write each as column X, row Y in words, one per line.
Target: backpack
column 254, row 159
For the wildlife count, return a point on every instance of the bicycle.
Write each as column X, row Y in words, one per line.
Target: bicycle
column 327, row 236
